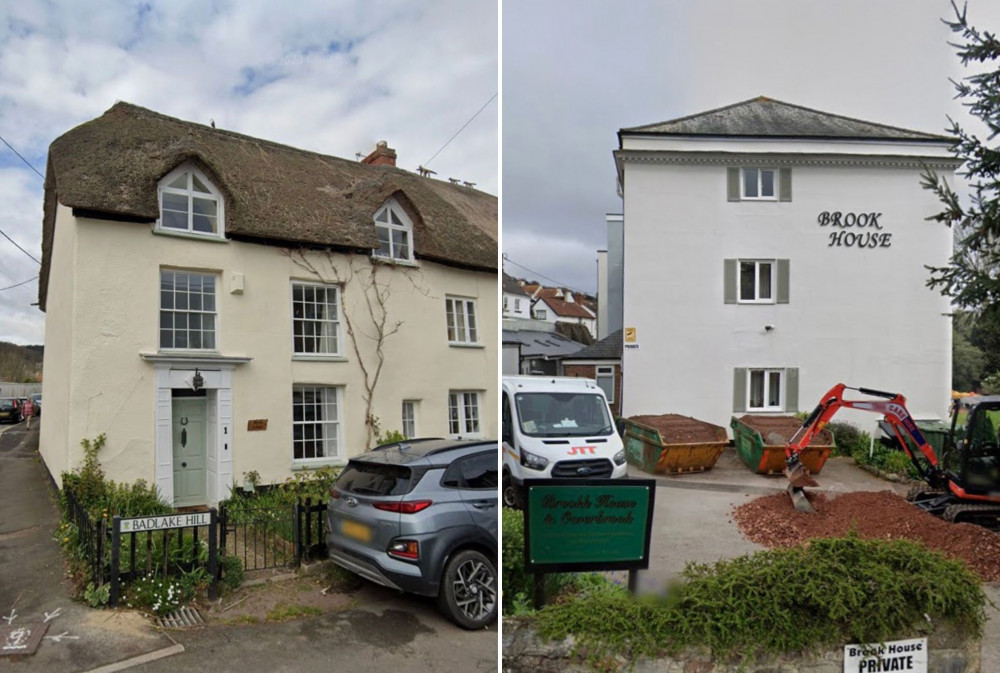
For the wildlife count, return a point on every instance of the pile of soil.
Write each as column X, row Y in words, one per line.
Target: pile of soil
column 777, row 430
column 677, row 429
column 773, row 522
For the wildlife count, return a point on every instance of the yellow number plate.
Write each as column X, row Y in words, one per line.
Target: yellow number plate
column 357, row 531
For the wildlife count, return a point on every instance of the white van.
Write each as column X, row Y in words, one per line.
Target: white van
column 556, row 427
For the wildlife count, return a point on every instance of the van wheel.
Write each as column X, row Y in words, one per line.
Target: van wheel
column 511, row 493
column 468, row 594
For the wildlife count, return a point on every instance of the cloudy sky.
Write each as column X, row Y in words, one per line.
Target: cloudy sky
column 333, row 77
column 576, row 71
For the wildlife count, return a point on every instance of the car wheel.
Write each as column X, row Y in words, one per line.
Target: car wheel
column 468, row 594
column 511, row 493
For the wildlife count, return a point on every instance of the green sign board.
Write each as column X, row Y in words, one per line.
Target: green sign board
column 587, row 524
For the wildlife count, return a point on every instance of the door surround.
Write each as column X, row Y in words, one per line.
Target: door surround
column 177, row 372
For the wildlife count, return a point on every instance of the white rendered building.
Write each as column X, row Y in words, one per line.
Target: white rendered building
column 772, row 251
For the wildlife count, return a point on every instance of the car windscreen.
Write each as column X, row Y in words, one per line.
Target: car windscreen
column 563, row 415
column 374, row 479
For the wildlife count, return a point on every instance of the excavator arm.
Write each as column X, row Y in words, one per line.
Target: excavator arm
column 892, row 407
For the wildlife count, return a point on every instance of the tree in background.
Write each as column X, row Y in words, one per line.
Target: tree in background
column 972, row 278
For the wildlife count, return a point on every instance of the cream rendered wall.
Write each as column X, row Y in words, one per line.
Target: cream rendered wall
column 859, row 316
column 116, row 297
column 57, row 364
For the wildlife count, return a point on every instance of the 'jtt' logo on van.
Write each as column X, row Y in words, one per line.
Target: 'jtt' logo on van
column 582, row 450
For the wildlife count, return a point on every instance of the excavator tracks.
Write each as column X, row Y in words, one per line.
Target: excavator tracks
column 987, row 516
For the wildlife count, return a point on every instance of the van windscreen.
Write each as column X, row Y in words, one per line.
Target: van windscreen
column 563, row 415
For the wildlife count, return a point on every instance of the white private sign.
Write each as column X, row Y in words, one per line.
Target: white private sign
column 900, row 655
column 148, row 523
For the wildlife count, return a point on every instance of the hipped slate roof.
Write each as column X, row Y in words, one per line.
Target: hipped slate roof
column 766, row 117
column 608, row 348
column 510, row 286
column 275, row 193
column 536, row 343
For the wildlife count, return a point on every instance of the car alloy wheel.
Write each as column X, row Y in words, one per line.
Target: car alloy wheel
column 469, row 590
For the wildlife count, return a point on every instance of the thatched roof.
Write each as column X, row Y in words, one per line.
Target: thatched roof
column 274, row 193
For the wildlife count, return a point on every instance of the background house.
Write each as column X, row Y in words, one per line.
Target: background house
column 217, row 303
column 516, row 302
column 601, row 361
column 772, row 251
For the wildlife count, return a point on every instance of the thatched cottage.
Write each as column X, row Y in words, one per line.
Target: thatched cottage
column 218, row 304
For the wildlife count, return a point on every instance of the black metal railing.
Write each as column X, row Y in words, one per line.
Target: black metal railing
column 92, row 537
column 310, row 521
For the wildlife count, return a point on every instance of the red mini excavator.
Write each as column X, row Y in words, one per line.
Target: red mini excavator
column 960, row 484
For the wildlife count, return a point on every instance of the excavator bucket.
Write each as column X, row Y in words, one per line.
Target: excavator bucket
column 799, row 477
column 799, row 500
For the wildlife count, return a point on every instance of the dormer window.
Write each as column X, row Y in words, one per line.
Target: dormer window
column 189, row 203
column 395, row 233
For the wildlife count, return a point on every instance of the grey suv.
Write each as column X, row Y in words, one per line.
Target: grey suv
column 422, row 516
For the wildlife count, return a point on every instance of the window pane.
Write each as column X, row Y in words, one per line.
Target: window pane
column 177, row 202
column 750, row 182
column 395, row 217
column 400, row 244
column 205, row 207
column 382, row 216
column 180, row 182
column 198, row 186
column 747, row 272
column 764, row 274
column 472, row 321
column 756, row 389
column 174, row 220
column 774, row 389
column 384, row 249
column 767, row 183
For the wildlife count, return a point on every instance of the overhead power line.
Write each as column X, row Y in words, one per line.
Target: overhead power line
column 24, row 282
column 492, row 98
column 28, row 164
column 558, row 283
column 22, row 158
column 18, row 247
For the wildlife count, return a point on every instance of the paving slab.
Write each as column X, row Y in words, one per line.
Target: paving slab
column 33, row 587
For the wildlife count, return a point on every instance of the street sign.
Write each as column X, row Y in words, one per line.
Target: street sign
column 907, row 656
column 587, row 524
column 148, row 523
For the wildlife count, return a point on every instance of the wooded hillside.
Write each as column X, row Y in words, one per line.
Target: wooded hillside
column 20, row 364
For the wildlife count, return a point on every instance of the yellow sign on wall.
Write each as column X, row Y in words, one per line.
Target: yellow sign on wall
column 630, row 337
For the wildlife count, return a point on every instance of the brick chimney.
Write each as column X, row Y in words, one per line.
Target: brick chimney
column 382, row 156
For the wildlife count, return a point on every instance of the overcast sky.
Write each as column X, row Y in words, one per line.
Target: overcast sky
column 332, row 77
column 576, row 71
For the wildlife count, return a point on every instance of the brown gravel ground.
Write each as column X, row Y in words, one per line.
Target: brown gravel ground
column 773, row 522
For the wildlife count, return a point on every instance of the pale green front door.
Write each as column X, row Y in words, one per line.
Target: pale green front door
column 189, row 451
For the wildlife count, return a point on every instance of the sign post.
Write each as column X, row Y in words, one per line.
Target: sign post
column 575, row 525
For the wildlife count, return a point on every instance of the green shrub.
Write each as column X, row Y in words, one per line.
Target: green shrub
column 780, row 601
column 848, row 438
column 97, row 597
column 515, row 579
column 519, row 585
column 232, row 572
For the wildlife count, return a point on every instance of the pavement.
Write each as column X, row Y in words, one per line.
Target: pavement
column 383, row 629
column 33, row 586
column 692, row 522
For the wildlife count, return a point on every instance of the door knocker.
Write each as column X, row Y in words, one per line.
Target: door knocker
column 184, row 420
column 184, row 437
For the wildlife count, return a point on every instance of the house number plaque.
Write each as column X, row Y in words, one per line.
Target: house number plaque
column 257, row 424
